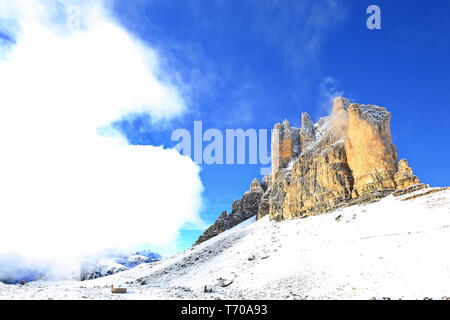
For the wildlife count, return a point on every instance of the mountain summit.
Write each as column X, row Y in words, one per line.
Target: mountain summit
column 345, row 158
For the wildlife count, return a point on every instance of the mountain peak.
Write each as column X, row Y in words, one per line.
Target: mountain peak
column 346, row 158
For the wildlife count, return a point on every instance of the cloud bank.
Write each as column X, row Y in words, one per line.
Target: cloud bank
column 70, row 185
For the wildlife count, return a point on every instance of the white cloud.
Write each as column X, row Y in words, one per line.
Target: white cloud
column 328, row 91
column 70, row 185
column 299, row 30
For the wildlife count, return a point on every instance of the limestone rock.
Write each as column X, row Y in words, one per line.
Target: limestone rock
column 404, row 177
column 370, row 153
column 255, row 185
column 220, row 225
column 307, row 132
column 265, row 181
column 264, row 208
column 283, row 145
column 345, row 158
column 275, row 148
column 242, row 209
column 245, row 207
column 339, row 116
column 264, row 204
column 319, row 181
column 340, row 105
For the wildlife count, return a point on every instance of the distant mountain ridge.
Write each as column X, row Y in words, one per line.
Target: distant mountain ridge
column 94, row 267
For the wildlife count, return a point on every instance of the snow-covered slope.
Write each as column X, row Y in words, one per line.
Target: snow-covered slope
column 392, row 248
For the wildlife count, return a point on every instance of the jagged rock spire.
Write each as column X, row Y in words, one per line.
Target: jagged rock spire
column 242, row 209
column 306, row 121
column 307, row 131
column 282, row 145
column 255, row 184
column 357, row 166
column 339, row 116
column 404, row 177
column 340, row 104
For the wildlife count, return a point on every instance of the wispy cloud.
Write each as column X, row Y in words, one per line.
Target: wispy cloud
column 292, row 33
column 329, row 89
column 298, row 28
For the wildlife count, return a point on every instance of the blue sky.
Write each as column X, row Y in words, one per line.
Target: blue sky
column 249, row 64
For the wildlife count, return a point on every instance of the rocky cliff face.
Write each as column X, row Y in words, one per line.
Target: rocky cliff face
column 404, row 177
column 345, row 158
column 242, row 209
column 370, row 153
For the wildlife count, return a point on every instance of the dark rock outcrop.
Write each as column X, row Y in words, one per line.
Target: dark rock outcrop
column 242, row 209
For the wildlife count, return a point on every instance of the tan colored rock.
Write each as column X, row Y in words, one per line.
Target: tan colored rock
column 307, row 131
column 264, row 204
column 339, row 116
column 404, row 177
column 282, row 145
column 319, row 181
column 275, row 148
column 370, row 153
column 255, row 184
column 340, row 105
column 345, row 158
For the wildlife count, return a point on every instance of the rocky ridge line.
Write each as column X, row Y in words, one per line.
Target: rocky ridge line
column 345, row 158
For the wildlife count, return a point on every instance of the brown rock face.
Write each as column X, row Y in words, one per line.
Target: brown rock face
column 285, row 144
column 264, row 206
column 404, row 177
column 307, row 131
column 220, row 225
column 345, row 158
column 242, row 209
column 339, row 116
column 319, row 180
column 370, row 153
